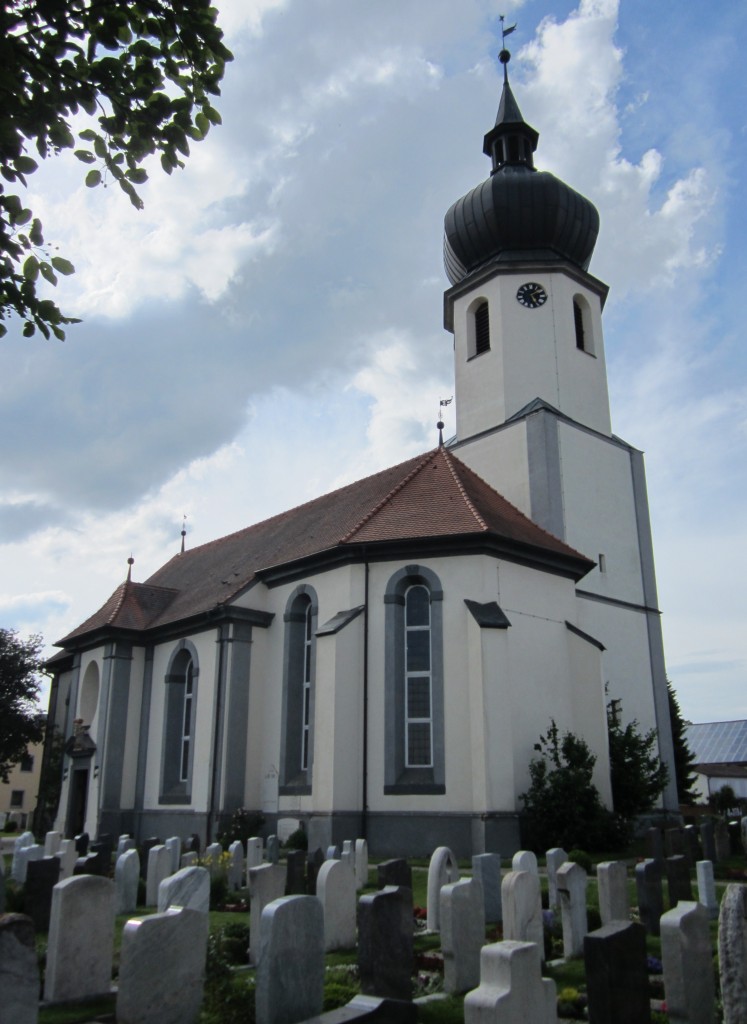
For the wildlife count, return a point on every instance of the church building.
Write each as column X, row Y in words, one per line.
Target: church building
column 380, row 661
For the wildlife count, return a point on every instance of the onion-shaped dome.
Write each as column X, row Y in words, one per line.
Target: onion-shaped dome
column 519, row 213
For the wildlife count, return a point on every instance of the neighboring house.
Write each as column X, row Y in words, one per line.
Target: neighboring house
column 19, row 794
column 381, row 661
column 719, row 750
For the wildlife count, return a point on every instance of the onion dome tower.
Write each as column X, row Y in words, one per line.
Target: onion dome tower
column 518, row 213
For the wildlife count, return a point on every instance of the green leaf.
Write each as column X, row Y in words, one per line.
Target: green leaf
column 28, row 329
column 24, row 164
column 167, row 163
column 3, row 330
column 88, row 135
column 85, row 155
column 31, row 268
column 93, row 178
column 99, row 147
column 47, row 273
column 58, row 332
column 22, row 218
column 36, row 235
column 62, row 266
column 137, row 175
column 202, row 123
column 213, row 115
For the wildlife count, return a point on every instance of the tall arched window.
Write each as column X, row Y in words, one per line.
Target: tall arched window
column 582, row 325
column 297, row 740
column 180, row 717
column 414, row 698
column 478, row 328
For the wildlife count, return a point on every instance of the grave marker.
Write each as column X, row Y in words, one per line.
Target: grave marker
column 522, row 908
column 732, row 952
column 442, row 870
column 512, row 989
column 335, row 888
column 650, row 895
column 266, row 883
column 687, row 961
column 41, row 877
column 555, row 858
column 290, row 972
column 81, row 939
column 707, row 888
column 385, row 943
column 188, row 887
column 126, row 880
column 159, row 867
column 486, row 868
column 462, row 934
column 19, row 971
column 612, row 883
column 616, row 974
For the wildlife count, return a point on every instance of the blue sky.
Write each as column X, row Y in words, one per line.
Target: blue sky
column 269, row 327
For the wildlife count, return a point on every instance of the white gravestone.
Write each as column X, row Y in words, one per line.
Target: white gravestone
column 188, row 887
column 707, row 888
column 67, row 856
column 290, row 973
column 235, row 865
column 462, row 933
column 525, row 860
column 81, row 938
column 335, row 889
column 21, row 843
column 522, row 908
column 486, row 867
column 614, row 899
column 442, row 870
column 189, row 859
column 554, row 859
column 126, row 880
column 572, row 880
column 732, row 952
column 159, row 867
column 212, row 859
column 361, row 864
column 174, row 846
column 686, row 958
column 254, row 852
column 162, row 968
column 21, row 859
column 512, row 989
column 52, row 842
column 266, row 883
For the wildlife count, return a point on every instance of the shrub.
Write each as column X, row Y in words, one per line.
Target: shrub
column 581, row 857
column 243, row 825
column 297, row 840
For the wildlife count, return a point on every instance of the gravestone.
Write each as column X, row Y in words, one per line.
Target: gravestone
column 162, row 968
column 650, row 895
column 295, row 882
column 692, row 845
column 52, row 842
column 273, row 849
column 512, row 989
column 41, row 877
column 708, row 839
column 522, row 908
column 721, row 841
column 686, row 958
column 385, row 943
column 21, row 859
column 655, row 844
column 159, row 867
column 674, row 842
column 104, row 847
column 442, row 870
column 612, row 884
column 81, row 939
column 314, row 862
column 743, row 827
column 678, row 880
column 572, row 883
column 335, row 889
column 732, row 952
column 126, row 880
column 555, row 858
column 290, row 972
column 462, row 934
column 616, row 974
column 145, row 847
column 212, row 859
column 333, row 853
column 254, row 852
column 235, row 865
column 486, row 868
column 735, row 838
column 125, row 843
column 266, row 883
column 394, row 872
column 23, row 841
column 707, row 888
column 81, row 844
column 174, row 845
column 19, row 971
column 67, row 857
column 98, row 859
column 88, row 865
column 192, row 844
column 188, row 887
column 361, row 863
column 189, row 860
column 525, row 860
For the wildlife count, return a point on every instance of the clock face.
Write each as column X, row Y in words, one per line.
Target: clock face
column 531, row 295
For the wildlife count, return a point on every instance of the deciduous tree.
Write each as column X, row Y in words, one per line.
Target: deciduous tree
column 21, row 720
column 112, row 80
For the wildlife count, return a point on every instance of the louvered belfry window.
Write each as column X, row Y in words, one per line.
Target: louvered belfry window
column 418, row 713
column 578, row 322
column 482, row 329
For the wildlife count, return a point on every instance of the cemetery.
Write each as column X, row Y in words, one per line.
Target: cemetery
column 161, row 931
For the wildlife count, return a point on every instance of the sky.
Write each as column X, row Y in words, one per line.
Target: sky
column 269, row 327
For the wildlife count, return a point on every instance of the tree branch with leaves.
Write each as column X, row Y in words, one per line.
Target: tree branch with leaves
column 116, row 83
column 21, row 719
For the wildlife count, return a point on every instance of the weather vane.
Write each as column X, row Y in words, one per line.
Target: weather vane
column 442, row 403
column 504, row 56
column 184, row 530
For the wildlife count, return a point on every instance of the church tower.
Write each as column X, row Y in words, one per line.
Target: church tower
column 532, row 404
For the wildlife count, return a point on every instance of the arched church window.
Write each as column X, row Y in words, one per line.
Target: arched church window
column 582, row 325
column 478, row 328
column 180, row 717
column 414, row 699
column 297, row 740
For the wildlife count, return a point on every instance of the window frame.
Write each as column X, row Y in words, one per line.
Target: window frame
column 179, row 725
column 299, row 693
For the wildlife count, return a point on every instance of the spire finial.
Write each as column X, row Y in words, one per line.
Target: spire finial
column 504, row 56
column 440, row 424
column 184, row 531
column 130, row 563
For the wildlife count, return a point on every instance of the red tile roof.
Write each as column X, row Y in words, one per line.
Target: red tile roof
column 431, row 496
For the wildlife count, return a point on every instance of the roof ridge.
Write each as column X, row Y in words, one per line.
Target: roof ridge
column 462, row 489
column 388, row 497
column 118, row 606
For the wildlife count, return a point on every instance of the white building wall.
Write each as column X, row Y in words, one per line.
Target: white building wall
column 132, row 727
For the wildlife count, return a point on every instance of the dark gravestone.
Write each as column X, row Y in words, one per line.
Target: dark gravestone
column 678, row 880
column 41, row 877
column 707, row 838
column 721, row 839
column 385, row 944
column 145, row 848
column 655, row 844
column 735, row 838
column 87, row 865
column 295, row 880
column 19, row 969
column 692, row 846
column 394, row 872
column 617, row 974
column 192, row 844
column 314, row 862
column 81, row 844
column 104, row 848
column 650, row 896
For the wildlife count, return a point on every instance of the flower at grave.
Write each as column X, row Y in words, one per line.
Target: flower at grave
column 653, row 965
column 548, row 918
